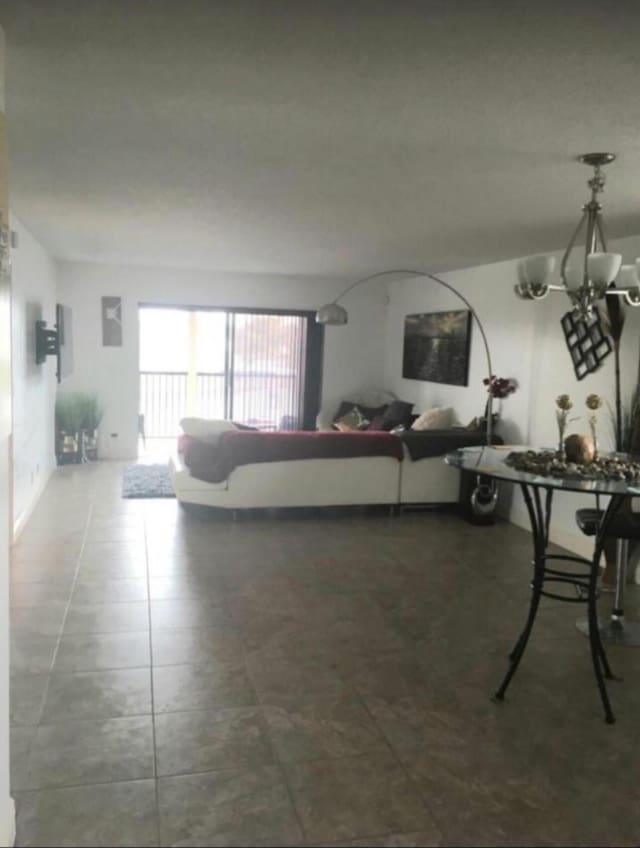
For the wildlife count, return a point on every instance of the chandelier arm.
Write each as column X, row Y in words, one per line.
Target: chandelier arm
column 591, row 241
column 415, row 273
column 600, row 227
column 570, row 246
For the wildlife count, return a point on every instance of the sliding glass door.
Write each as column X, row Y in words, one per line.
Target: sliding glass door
column 267, row 370
column 257, row 368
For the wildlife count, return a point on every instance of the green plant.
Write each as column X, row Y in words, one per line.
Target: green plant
column 615, row 319
column 68, row 413
column 631, row 423
column 76, row 411
column 91, row 411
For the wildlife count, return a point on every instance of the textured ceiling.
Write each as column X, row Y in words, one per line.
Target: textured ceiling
column 324, row 137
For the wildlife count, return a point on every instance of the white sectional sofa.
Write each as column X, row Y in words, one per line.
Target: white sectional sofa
column 363, row 481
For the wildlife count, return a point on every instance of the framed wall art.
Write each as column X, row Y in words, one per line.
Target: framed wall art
column 436, row 347
column 112, row 322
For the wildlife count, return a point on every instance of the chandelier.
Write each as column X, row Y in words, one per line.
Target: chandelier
column 594, row 274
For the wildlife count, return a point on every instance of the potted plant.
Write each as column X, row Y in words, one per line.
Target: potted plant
column 91, row 416
column 78, row 415
column 68, row 427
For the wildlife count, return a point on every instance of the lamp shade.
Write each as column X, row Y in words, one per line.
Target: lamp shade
column 332, row 314
column 522, row 276
column 628, row 277
column 603, row 268
column 538, row 269
column 574, row 277
column 632, row 296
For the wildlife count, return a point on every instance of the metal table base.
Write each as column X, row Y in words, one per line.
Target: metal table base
column 586, row 584
column 617, row 629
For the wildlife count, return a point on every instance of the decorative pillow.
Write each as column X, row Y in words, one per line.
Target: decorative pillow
column 205, row 429
column 376, row 423
column 353, row 420
column 398, row 412
column 438, row 418
column 368, row 412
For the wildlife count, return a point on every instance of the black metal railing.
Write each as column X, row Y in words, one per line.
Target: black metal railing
column 211, row 394
column 265, row 400
column 163, row 401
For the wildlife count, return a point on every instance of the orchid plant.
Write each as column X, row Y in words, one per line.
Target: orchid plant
column 498, row 388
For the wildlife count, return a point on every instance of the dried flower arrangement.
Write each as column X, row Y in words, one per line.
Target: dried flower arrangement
column 564, row 405
column 594, row 403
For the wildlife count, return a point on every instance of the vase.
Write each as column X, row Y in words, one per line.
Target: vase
column 594, row 437
column 562, row 428
column 561, row 451
column 90, row 444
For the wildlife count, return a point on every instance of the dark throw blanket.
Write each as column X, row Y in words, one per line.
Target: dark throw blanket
column 214, row 463
column 425, row 443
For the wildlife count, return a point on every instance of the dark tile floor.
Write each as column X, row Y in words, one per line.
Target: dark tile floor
column 181, row 679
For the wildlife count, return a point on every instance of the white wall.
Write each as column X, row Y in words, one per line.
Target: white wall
column 527, row 344
column 353, row 357
column 7, row 816
column 34, row 386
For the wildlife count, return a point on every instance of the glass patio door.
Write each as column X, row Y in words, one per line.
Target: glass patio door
column 267, row 370
column 251, row 367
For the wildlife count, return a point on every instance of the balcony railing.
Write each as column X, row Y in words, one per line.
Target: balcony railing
column 163, row 401
column 265, row 400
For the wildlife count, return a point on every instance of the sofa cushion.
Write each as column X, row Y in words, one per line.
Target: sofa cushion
column 351, row 421
column 205, row 429
column 398, row 413
column 437, row 418
column 368, row 412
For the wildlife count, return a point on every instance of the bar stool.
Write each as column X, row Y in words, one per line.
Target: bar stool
column 624, row 527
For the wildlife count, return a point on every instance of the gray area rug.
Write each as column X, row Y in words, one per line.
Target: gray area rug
column 147, row 481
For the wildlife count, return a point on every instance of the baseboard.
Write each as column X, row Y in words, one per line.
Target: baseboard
column 21, row 521
column 576, row 543
column 8, row 836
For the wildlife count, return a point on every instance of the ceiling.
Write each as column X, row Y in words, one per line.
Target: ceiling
column 306, row 138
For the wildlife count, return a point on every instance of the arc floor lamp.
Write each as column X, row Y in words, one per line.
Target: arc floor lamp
column 334, row 314
column 485, row 494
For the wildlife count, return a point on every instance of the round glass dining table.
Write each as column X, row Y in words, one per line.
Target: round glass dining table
column 538, row 494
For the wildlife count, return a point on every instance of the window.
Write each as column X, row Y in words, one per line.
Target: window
column 260, row 368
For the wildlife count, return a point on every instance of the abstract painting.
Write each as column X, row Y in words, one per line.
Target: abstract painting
column 436, row 347
column 112, row 321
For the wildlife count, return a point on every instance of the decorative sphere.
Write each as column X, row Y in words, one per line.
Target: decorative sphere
column 579, row 449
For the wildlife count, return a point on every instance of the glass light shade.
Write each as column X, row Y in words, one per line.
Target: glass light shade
column 632, row 295
column 538, row 269
column 538, row 291
column 332, row 314
column 603, row 268
column 522, row 291
column 522, row 277
column 574, row 277
column 628, row 277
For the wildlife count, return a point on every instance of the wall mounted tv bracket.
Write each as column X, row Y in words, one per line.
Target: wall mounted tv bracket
column 47, row 342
